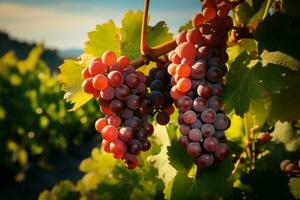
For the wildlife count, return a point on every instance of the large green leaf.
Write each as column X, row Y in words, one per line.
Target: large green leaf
column 105, row 37
column 286, row 104
column 208, row 184
column 279, row 32
column 178, row 157
column 248, row 80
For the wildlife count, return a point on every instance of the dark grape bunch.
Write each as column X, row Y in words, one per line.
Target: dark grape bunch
column 197, row 68
column 291, row 168
column 120, row 91
column 160, row 100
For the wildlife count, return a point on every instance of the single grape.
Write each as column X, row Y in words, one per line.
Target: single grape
column 205, row 160
column 85, row 73
column 100, row 124
column 222, row 122
column 200, row 104
column 207, row 130
column 197, row 124
column 193, row 35
column 204, row 90
column 184, row 129
column 126, row 113
column 146, row 145
column 133, row 102
column 215, row 103
column 213, row 74
column 123, row 61
column 114, row 120
column 110, row 133
column 204, row 52
column 208, row 115
column 220, row 136
column 184, row 103
column 100, row 82
column 162, row 118
column 141, row 135
column 198, row 70
column 149, row 129
column 118, row 148
column 183, row 70
column 198, row 20
column 184, row 85
column 222, row 152
column 132, row 80
column 115, row 78
column 116, row 106
column 134, row 147
column 217, row 89
column 122, row 92
column 189, row 117
column 126, row 134
column 175, row 93
column 194, row 149
column 130, row 160
column 133, row 122
column 184, row 141
column 156, row 98
column 107, row 94
column 105, row 146
column 210, row 144
column 283, row 164
column 186, row 50
column 181, row 37
column 109, row 58
column 87, row 86
column 97, row 67
column 195, row 135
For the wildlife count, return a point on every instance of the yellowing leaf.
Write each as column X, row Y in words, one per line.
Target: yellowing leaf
column 71, row 79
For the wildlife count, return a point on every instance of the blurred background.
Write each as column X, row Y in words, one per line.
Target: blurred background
column 41, row 142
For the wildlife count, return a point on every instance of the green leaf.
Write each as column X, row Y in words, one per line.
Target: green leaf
column 208, row 184
column 280, row 58
column 279, row 32
column 245, row 44
column 267, row 185
column 131, row 34
column 248, row 80
column 236, row 131
column 186, row 27
column 105, row 37
column 65, row 190
column 258, row 16
column 71, row 79
column 178, row 157
column 286, row 134
column 160, row 161
column 285, row 105
column 295, row 187
column 244, row 13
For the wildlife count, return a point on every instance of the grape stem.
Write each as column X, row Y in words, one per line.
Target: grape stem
column 241, row 156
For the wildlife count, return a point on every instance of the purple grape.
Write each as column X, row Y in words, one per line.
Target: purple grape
column 222, row 152
column 208, row 115
column 189, row 117
column 184, row 141
column 184, row 129
column 207, row 130
column 210, row 144
column 215, row 103
column 184, row 103
column 134, row 147
column 133, row 102
column 198, row 70
column 194, row 149
column 195, row 135
column 222, row 122
column 200, row 104
column 197, row 124
column 205, row 160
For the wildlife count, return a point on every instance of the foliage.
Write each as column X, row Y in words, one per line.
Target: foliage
column 33, row 117
column 260, row 91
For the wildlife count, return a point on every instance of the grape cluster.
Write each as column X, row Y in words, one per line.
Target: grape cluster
column 290, row 167
column 160, row 100
column 120, row 91
column 197, row 68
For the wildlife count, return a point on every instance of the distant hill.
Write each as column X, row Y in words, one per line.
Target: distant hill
column 50, row 56
column 70, row 53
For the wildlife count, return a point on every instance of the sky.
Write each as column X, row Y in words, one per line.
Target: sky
column 64, row 24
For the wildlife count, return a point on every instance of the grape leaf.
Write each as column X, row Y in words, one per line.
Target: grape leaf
column 248, row 45
column 186, row 27
column 131, row 34
column 236, row 131
column 267, row 185
column 71, row 79
column 105, row 37
column 291, row 109
column 295, row 187
column 178, row 156
column 248, row 80
column 279, row 32
column 286, row 134
column 280, row 58
column 160, row 161
column 208, row 184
